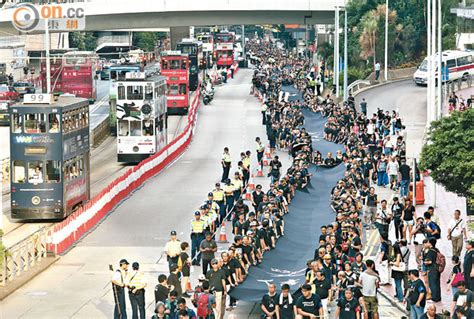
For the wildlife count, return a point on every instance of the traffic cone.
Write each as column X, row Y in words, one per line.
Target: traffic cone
column 251, row 183
column 259, row 172
column 222, row 234
column 267, row 153
column 265, row 162
column 188, row 286
column 248, row 195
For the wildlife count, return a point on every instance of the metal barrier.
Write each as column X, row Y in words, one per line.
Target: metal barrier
column 100, row 132
column 23, row 256
column 356, row 86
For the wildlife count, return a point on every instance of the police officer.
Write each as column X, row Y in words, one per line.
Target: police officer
column 173, row 249
column 118, row 287
column 136, row 291
column 238, row 185
column 226, row 164
column 197, row 235
column 229, row 196
column 214, row 208
column 219, row 198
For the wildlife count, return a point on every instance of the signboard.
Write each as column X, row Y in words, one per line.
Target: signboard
column 38, row 99
column 135, row 76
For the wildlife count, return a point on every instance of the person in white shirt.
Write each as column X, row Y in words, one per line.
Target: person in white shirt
column 392, row 170
column 456, row 230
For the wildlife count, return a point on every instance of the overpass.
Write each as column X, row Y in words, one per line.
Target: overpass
column 139, row 14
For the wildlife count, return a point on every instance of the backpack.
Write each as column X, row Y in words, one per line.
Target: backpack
column 197, row 292
column 391, row 253
column 203, row 305
column 440, row 261
column 438, row 235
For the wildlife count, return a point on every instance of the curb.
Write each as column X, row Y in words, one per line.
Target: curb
column 392, row 301
column 381, row 84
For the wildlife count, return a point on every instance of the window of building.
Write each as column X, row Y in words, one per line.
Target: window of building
column 35, row 172
column 135, row 92
column 54, row 124
column 135, row 128
column 123, row 129
column 17, row 123
column 19, row 172
column 35, row 123
column 53, row 171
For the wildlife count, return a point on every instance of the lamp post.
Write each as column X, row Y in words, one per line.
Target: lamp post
column 345, row 56
column 336, row 51
column 386, row 42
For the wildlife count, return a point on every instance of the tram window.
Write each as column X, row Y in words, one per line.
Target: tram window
column 53, row 120
column 35, row 172
column 19, row 172
column 172, row 89
column 175, row 64
column 135, row 92
column 161, row 124
column 17, row 123
column 149, row 92
column 53, row 171
column 35, row 123
column 135, row 128
column 148, row 128
column 182, row 89
column 183, row 65
column 123, row 128
column 113, row 75
column 164, row 65
column 121, row 92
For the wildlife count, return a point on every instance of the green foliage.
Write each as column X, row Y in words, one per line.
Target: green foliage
column 83, row 41
column 449, row 153
column 145, row 40
column 2, row 249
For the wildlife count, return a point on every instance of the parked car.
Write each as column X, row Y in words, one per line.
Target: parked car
column 8, row 96
column 24, row 88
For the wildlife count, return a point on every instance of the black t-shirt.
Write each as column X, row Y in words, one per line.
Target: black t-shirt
column 416, row 288
column 186, row 269
column 161, row 293
column 405, row 172
column 286, row 308
column 270, row 302
column 322, row 288
column 372, row 200
column 430, row 255
column 409, row 213
column 468, row 261
column 310, row 305
column 355, row 242
column 397, row 210
column 215, row 279
column 348, row 308
column 247, row 251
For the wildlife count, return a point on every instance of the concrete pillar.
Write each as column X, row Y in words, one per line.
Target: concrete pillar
column 176, row 34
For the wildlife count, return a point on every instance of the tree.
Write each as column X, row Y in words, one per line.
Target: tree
column 83, row 41
column 449, row 153
column 145, row 40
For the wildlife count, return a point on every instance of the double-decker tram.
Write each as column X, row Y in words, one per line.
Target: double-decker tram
column 207, row 48
column 175, row 66
column 193, row 49
column 50, row 156
column 117, row 73
column 224, row 50
column 141, row 117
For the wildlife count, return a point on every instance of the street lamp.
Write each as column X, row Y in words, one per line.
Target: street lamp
column 346, row 68
column 386, row 42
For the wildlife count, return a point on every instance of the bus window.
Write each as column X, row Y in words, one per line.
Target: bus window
column 17, row 123
column 53, row 172
column 135, row 128
column 121, row 92
column 123, row 128
column 135, row 92
column 147, row 128
column 53, row 120
column 182, row 89
column 175, row 64
column 164, row 65
column 35, row 172
column 35, row 123
column 451, row 63
column 149, row 92
column 19, row 172
column 172, row 89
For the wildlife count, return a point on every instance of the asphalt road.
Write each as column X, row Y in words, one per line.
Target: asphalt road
column 409, row 100
column 77, row 286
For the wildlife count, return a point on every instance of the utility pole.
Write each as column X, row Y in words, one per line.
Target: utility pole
column 439, row 110
column 386, row 42
column 430, row 60
column 345, row 56
column 48, row 62
column 336, row 49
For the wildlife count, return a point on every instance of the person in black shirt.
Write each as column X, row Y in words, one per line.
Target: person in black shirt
column 416, row 295
column 286, row 305
column 309, row 305
column 161, row 290
column 397, row 211
column 348, row 307
column 429, row 261
column 323, row 288
column 217, row 284
column 269, row 304
column 405, row 178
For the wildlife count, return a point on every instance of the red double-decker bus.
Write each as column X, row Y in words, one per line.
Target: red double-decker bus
column 73, row 73
column 175, row 66
column 224, row 50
